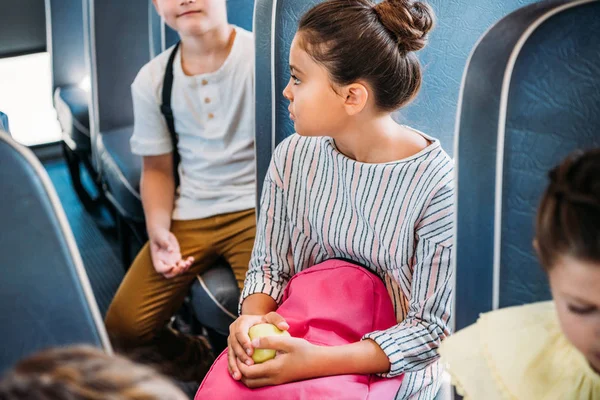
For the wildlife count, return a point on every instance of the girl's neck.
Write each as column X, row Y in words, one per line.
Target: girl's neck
column 379, row 140
column 206, row 53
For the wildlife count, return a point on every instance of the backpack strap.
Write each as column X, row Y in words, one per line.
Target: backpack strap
column 167, row 112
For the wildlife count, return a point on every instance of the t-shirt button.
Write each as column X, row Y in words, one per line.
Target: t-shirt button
column 211, row 116
column 207, row 100
column 204, row 82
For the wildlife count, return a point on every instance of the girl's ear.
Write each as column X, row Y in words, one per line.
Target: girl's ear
column 356, row 96
column 536, row 247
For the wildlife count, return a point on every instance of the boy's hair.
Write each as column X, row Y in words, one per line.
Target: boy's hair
column 568, row 220
column 358, row 39
column 84, row 373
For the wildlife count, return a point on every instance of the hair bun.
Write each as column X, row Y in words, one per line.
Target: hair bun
column 576, row 179
column 409, row 22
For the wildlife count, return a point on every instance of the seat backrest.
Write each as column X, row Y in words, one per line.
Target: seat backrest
column 117, row 38
column 65, row 41
column 4, row 122
column 156, row 31
column 459, row 25
column 530, row 96
column 45, row 296
column 23, row 28
column 239, row 12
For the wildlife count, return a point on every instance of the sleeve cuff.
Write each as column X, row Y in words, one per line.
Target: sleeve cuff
column 150, row 148
column 275, row 291
column 390, row 347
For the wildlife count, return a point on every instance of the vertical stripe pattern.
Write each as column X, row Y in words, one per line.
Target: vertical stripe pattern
column 395, row 218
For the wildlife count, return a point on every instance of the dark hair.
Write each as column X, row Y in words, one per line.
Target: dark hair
column 84, row 373
column 568, row 220
column 357, row 39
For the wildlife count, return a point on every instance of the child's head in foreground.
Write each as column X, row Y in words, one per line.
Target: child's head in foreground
column 568, row 245
column 84, row 373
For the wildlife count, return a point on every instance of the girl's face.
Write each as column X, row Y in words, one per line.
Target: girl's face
column 575, row 287
column 192, row 17
column 315, row 107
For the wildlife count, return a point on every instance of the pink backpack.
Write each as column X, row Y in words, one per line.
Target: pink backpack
column 333, row 303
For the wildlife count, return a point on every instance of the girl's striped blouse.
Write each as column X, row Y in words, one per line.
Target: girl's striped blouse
column 395, row 218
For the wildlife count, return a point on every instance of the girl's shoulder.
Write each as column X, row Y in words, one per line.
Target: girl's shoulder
column 434, row 168
column 297, row 145
column 514, row 353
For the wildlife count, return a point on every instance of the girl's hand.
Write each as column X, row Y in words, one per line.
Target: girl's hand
column 239, row 346
column 296, row 359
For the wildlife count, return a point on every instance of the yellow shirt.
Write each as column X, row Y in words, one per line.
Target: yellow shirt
column 518, row 353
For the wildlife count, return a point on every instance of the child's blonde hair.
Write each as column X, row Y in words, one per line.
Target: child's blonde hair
column 84, row 373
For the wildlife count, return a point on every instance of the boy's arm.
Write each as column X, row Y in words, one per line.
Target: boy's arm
column 151, row 140
column 157, row 188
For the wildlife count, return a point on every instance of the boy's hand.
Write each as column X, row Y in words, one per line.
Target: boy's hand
column 239, row 345
column 166, row 254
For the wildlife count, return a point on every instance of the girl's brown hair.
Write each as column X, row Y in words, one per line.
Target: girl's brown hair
column 84, row 373
column 568, row 219
column 360, row 40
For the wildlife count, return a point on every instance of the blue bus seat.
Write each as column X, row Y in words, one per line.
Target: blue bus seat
column 4, row 122
column 121, row 171
column 45, row 297
column 214, row 298
column 117, row 51
column 71, row 104
column 531, row 95
column 70, row 75
column 65, row 21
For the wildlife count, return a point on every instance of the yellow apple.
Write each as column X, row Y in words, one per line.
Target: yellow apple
column 264, row 330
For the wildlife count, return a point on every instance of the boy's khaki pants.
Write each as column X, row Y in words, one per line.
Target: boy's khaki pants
column 137, row 318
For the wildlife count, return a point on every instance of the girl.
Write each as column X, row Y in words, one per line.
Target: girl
column 354, row 184
column 547, row 350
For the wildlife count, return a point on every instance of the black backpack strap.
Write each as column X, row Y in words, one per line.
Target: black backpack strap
column 167, row 111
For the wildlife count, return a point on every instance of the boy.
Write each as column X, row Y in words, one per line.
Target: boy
column 211, row 213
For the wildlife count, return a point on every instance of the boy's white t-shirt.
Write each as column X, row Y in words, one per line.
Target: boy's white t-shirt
column 214, row 118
